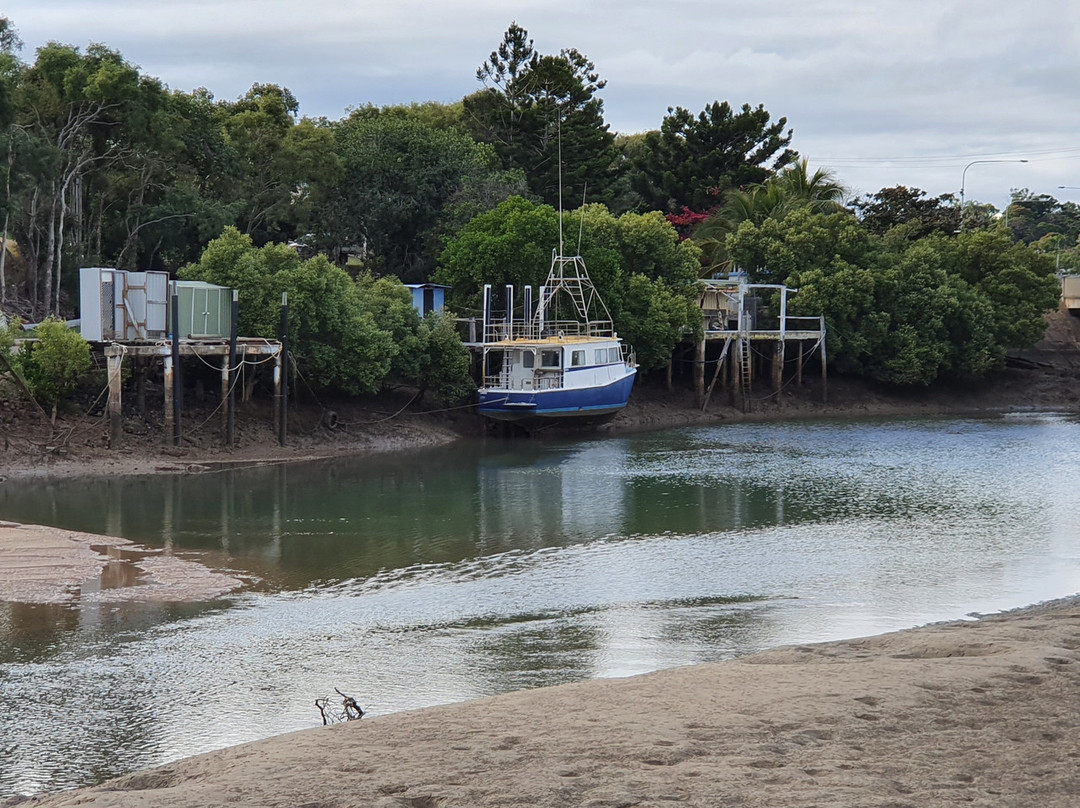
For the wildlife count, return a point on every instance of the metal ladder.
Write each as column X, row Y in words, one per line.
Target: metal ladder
column 745, row 376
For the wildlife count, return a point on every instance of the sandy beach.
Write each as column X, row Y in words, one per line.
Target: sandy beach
column 982, row 713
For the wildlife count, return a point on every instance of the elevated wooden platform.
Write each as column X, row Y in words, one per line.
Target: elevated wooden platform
column 248, row 350
column 728, row 316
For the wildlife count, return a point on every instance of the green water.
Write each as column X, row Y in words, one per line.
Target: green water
column 482, row 568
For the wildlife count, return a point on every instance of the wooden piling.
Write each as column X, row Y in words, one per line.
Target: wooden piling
column 139, row 365
column 230, row 373
column 778, row 369
column 170, row 400
column 699, row 373
column 174, row 385
column 114, row 359
column 283, row 423
column 824, row 367
column 224, row 406
column 718, row 373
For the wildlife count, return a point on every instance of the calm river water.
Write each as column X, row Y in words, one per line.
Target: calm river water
column 443, row 576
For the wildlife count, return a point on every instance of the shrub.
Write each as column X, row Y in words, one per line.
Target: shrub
column 52, row 365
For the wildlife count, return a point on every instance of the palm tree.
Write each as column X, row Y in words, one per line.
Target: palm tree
column 820, row 190
column 794, row 188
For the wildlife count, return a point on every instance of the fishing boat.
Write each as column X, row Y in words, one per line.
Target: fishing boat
column 559, row 362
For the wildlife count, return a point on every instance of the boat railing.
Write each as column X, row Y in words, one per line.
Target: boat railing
column 546, row 379
column 500, row 330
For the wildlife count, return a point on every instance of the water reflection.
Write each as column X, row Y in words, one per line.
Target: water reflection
column 448, row 575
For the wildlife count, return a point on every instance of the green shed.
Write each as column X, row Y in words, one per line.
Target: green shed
column 204, row 309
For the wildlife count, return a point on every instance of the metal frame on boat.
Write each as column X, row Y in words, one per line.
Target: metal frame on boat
column 560, row 362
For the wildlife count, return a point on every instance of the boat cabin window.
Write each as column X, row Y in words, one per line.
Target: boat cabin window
column 600, row 356
column 614, row 355
column 577, row 359
column 528, row 359
column 550, row 359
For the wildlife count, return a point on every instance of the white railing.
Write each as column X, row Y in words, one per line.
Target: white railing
column 549, row 380
column 499, row 330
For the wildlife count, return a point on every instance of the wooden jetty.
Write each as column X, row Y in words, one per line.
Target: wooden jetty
column 229, row 357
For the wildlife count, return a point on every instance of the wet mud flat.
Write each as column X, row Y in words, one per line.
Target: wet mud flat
column 40, row 564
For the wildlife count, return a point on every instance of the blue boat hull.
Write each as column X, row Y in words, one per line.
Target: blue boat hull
column 585, row 404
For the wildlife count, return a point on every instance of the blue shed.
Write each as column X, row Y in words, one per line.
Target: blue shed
column 427, row 296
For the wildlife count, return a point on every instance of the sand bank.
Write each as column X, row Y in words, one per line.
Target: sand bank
column 982, row 713
column 41, row 564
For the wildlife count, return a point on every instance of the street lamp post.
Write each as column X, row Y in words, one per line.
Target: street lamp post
column 963, row 182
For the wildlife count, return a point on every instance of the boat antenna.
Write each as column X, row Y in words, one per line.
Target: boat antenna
column 558, row 130
column 581, row 217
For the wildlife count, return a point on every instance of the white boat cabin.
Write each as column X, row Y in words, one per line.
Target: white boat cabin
column 554, row 363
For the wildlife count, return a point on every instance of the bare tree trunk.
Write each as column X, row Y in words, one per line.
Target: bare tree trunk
column 3, row 261
column 50, row 257
column 78, row 228
column 7, row 217
column 99, row 224
column 33, row 248
column 55, row 306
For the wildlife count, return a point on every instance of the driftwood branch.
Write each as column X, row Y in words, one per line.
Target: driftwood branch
column 331, row 713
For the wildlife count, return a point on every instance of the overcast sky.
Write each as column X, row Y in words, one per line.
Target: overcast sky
column 883, row 92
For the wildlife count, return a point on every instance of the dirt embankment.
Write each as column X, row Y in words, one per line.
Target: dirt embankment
column 1044, row 378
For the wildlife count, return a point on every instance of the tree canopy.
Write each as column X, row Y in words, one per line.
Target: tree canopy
column 644, row 274
column 794, row 188
column 691, row 161
column 398, row 177
column 904, row 311
column 353, row 335
column 534, row 107
column 909, row 208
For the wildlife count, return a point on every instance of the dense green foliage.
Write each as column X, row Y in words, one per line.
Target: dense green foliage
column 907, row 212
column 534, row 106
column 899, row 310
column 691, row 162
column 334, row 340
column 443, row 366
column 794, row 188
column 398, row 176
column 356, row 336
column 1050, row 226
column 646, row 276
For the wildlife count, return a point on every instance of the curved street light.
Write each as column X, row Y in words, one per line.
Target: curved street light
column 963, row 182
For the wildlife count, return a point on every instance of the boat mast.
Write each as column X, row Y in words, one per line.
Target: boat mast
column 558, row 132
column 575, row 283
